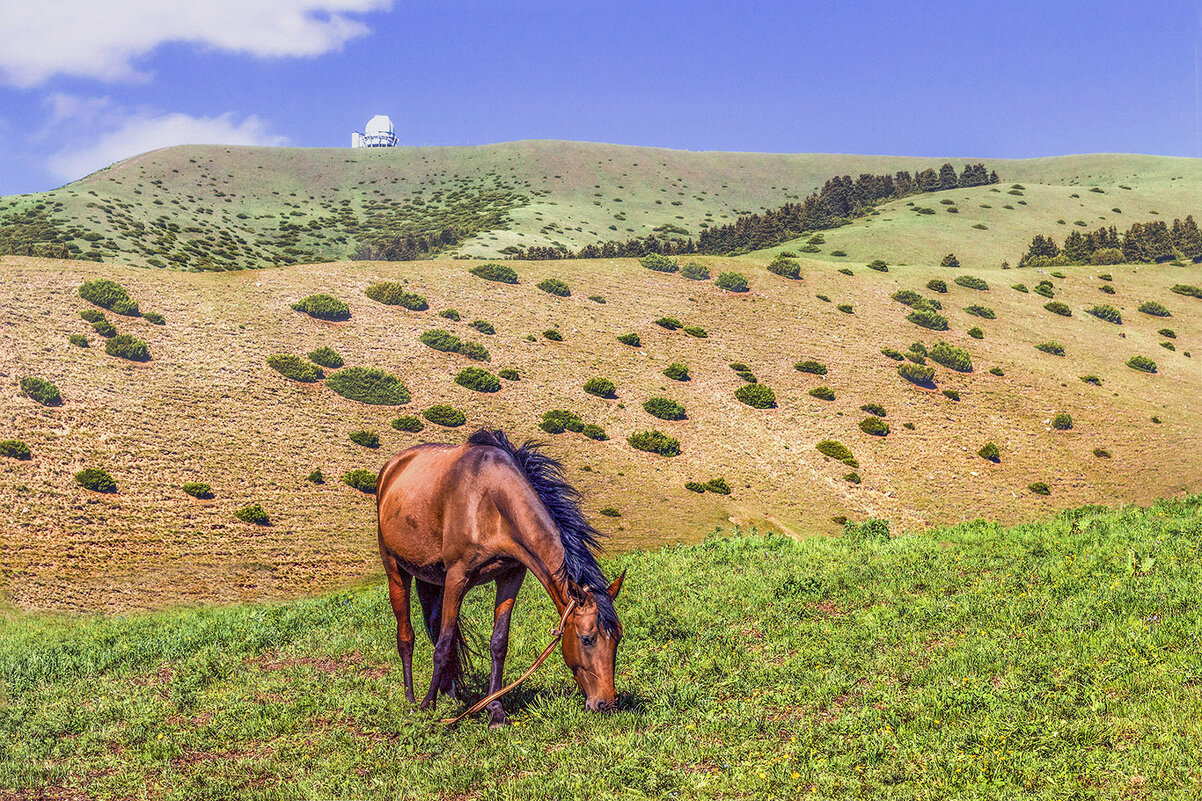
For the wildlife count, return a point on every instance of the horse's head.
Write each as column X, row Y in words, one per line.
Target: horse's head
column 590, row 647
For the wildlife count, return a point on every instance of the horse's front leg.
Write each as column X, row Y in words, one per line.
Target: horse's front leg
column 507, row 593
column 445, row 649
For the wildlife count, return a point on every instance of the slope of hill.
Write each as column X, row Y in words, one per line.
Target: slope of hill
column 207, row 408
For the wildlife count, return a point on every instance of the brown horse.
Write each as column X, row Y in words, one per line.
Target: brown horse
column 455, row 516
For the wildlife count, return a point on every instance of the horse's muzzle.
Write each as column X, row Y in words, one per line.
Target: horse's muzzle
column 601, row 705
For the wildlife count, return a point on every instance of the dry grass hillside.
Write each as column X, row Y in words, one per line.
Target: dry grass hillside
column 207, row 408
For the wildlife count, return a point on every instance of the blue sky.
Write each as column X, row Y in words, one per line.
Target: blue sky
column 83, row 84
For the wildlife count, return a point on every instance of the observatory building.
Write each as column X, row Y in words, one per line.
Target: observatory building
column 377, row 133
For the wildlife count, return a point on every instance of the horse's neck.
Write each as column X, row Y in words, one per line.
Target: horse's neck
column 543, row 555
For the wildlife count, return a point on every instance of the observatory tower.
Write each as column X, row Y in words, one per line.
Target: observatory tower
column 377, row 133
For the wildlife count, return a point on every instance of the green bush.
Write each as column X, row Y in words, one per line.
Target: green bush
column 442, row 414
column 852, row 477
column 596, row 298
column 553, row 286
column 1167, row 332
column 835, row 450
column 96, row 479
column 92, row 315
column 478, row 379
column 1044, row 288
column 917, row 373
column 664, row 409
column 450, row 314
column 908, row 297
column 732, row 282
column 695, row 272
column 950, row 261
column 509, row 374
column 323, row 307
column 976, row 333
column 1020, row 287
column 846, row 308
column 1108, row 289
column 696, row 331
column 1168, row 346
column 846, row 271
column 670, row 323
column 786, row 268
column 316, row 477
column 495, row 272
column 408, row 423
column 368, row 439
column 1107, row 313
column 659, row 263
column 557, row 421
column 553, row 335
column 1092, row 379
column 951, row 357
column 952, row 394
column 104, row 328
column 694, row 486
column 928, row 318
column 757, row 396
column 989, row 452
column 997, row 371
column 593, row 431
column 253, row 514
column 1062, row 421
column 1052, row 347
column 1039, row 488
column 609, row 511
column 109, row 295
column 838, row 252
column 718, row 486
column 392, row 293
column 40, row 391
column 441, row 340
column 655, row 442
column 874, row 409
column 1142, row 363
column 127, row 347
column 1188, row 290
column 362, row 480
column 871, row 530
column 197, row 489
column 630, row 339
column 483, row 326
column 295, row 368
column 878, row 265
column 677, row 371
column 601, row 387
column 983, row 312
column 811, row 367
column 1101, row 453
column 892, row 354
column 1155, row 309
column 326, row 357
column 822, row 393
column 937, row 285
column 874, row 426
column 474, row 351
column 369, row 385
column 971, row 282
column 154, row 318
column 15, row 449
column 918, row 347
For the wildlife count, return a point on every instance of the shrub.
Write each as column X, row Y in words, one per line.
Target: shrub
column 15, row 449
column 392, row 293
column 253, row 514
column 976, row 333
column 362, row 480
column 1092, row 379
column 1168, row 346
column 1108, row 289
column 892, row 354
column 694, row 486
column 695, row 272
column 852, row 477
column 846, row 308
column 1044, row 288
column 746, row 375
column 1052, row 347
column 917, row 373
column 450, row 314
column 369, row 385
column 96, row 479
column 757, row 396
column 738, row 367
column 874, row 426
column 556, row 421
column 1107, row 313
column 323, row 307
column 846, row 271
column 1155, row 309
column 835, row 450
column 316, row 477
column 483, row 326
column 509, row 374
column 950, row 261
column 630, row 339
column 670, row 323
column 1106, row 276
column 1039, row 488
column 553, row 286
column 154, row 318
column 1020, row 287
column 39, row 390
column 677, row 371
column 874, row 409
column 664, row 409
column 104, row 328
column 786, row 268
column 971, row 282
column 823, row 298
column 696, row 331
column 878, row 265
column 816, row 239
column 478, row 379
column 441, row 340
column 593, row 431
column 1056, row 307
column 553, row 335
column 295, row 368
column 197, row 489
column 609, row 511
column 368, row 439
column 1167, row 332
column 937, row 285
column 92, row 315
column 109, row 295
column 1142, row 363
column 990, row 453
column 981, row 311
column 326, row 357
column 442, row 414
column 918, row 347
column 838, row 252
column 596, row 298
column 823, row 393
column 408, row 423
column 732, row 282
column 1187, row 289
column 951, row 357
column 908, row 297
column 655, row 442
column 659, row 263
column 601, row 387
column 928, row 318
column 495, row 272
column 718, row 485
column 996, row 371
column 811, row 367
column 951, row 394
column 127, row 347
column 1101, row 453
column 1063, row 421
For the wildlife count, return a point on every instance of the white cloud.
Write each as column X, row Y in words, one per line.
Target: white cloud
column 143, row 132
column 103, row 39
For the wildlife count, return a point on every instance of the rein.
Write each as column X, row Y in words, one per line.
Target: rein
column 556, row 636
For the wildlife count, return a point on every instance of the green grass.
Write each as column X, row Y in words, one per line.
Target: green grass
column 1049, row 660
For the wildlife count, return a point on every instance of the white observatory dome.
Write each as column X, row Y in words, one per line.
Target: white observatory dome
column 377, row 133
column 379, row 125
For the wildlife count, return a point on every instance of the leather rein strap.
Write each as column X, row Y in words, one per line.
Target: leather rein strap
column 556, row 636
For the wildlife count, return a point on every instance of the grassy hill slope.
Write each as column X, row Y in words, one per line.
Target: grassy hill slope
column 1045, row 661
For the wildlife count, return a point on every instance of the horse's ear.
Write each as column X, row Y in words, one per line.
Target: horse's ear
column 616, row 586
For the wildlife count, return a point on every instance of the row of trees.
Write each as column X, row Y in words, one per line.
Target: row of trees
column 840, row 199
column 408, row 247
column 1142, row 243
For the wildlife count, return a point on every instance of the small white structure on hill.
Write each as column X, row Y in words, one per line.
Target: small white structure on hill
column 377, row 133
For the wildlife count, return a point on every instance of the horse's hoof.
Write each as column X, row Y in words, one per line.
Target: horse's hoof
column 498, row 722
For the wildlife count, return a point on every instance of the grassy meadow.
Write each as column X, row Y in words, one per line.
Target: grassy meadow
column 1050, row 660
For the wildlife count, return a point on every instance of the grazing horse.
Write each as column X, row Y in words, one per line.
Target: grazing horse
column 455, row 516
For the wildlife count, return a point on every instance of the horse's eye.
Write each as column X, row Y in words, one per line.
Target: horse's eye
column 588, row 641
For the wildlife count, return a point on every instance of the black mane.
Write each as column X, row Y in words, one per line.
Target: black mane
column 562, row 500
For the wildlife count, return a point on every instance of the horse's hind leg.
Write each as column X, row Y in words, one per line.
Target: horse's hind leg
column 398, row 596
column 430, row 596
column 507, row 593
column 446, row 649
